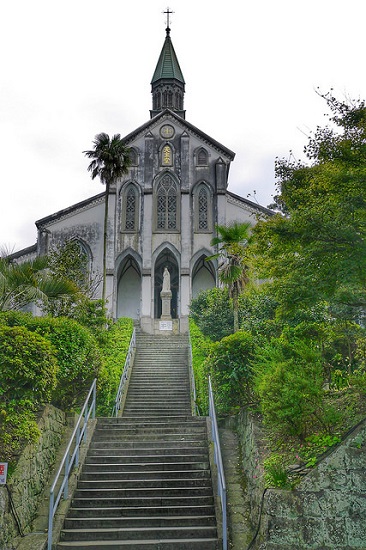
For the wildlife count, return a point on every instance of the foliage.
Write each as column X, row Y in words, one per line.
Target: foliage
column 317, row 251
column 110, row 161
column 113, row 352
column 69, row 262
column 289, row 384
column 257, row 311
column 315, row 445
column 229, row 366
column 28, row 365
column 76, row 353
column 276, row 473
column 28, row 377
column 212, row 313
column 201, row 347
column 231, row 242
column 27, row 282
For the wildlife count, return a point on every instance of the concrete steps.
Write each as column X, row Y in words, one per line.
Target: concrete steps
column 146, row 481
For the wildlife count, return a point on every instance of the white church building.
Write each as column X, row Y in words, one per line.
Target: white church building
column 162, row 214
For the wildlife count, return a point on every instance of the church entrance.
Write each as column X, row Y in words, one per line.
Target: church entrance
column 166, row 259
column 129, row 289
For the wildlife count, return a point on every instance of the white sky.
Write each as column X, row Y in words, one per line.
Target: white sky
column 72, row 69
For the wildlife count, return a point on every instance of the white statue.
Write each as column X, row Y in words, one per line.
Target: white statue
column 166, row 280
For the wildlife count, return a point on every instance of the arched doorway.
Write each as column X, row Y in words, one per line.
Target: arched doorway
column 166, row 259
column 129, row 289
column 203, row 276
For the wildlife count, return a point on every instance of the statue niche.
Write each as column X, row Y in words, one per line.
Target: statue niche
column 166, row 297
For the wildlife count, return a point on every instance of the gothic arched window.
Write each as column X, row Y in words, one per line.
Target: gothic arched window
column 203, row 208
column 130, row 209
column 166, row 204
column 202, row 157
column 133, row 157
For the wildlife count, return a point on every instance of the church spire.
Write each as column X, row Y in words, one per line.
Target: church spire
column 167, row 84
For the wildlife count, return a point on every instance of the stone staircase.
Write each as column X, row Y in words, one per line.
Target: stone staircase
column 146, row 481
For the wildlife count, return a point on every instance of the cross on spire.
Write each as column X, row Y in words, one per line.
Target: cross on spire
column 168, row 13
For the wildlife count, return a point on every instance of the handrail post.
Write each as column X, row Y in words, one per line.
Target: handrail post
column 221, row 484
column 50, row 520
column 66, row 488
column 117, row 402
column 70, row 458
column 94, row 398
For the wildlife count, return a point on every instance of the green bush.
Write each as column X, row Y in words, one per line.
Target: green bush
column 229, row 366
column 77, row 354
column 289, row 384
column 213, row 313
column 113, row 352
column 28, row 377
column 28, row 366
column 201, row 347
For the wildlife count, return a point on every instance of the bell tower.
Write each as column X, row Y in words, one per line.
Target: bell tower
column 167, row 84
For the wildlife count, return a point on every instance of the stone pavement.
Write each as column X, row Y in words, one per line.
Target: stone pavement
column 240, row 532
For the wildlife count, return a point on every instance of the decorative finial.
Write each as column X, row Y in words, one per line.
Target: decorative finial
column 168, row 12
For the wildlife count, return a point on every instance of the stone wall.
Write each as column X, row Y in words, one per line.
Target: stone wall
column 326, row 511
column 30, row 477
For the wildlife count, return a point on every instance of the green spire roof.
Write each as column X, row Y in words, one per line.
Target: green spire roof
column 167, row 66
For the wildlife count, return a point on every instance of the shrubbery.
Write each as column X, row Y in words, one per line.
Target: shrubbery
column 289, row 385
column 45, row 359
column 28, row 377
column 113, row 351
column 201, row 347
column 76, row 352
column 212, row 313
column 231, row 372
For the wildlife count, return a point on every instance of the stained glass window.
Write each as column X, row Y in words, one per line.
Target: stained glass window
column 130, row 220
column 203, row 208
column 166, row 204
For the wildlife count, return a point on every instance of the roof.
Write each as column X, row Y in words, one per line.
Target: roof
column 168, row 65
column 167, row 113
column 70, row 210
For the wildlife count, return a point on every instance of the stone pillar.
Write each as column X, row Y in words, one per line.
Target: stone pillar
column 166, row 299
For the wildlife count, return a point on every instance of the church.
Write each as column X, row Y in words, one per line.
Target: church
column 162, row 214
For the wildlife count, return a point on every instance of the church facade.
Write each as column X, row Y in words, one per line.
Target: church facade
column 162, row 214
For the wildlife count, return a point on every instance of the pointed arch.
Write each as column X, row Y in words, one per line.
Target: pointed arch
column 130, row 207
column 166, row 203
column 166, row 256
column 134, row 156
column 201, row 157
column 128, row 284
column 203, row 207
column 203, row 273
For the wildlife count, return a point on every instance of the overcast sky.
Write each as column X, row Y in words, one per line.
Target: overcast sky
column 75, row 68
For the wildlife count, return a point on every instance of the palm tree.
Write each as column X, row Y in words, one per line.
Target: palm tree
column 111, row 161
column 233, row 269
column 30, row 281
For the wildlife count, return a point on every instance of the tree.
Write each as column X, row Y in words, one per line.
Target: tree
column 29, row 281
column 70, row 261
column 317, row 250
column 110, row 161
column 212, row 312
column 233, row 269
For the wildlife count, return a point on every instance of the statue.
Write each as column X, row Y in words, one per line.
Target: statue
column 166, row 297
column 166, row 280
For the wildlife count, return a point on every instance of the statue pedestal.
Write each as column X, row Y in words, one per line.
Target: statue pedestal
column 166, row 298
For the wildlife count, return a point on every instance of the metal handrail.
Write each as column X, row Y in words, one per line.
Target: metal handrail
column 195, row 409
column 124, row 376
column 71, row 459
column 221, row 484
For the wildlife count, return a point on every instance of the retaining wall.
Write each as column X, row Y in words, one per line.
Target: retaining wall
column 30, row 477
column 326, row 511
